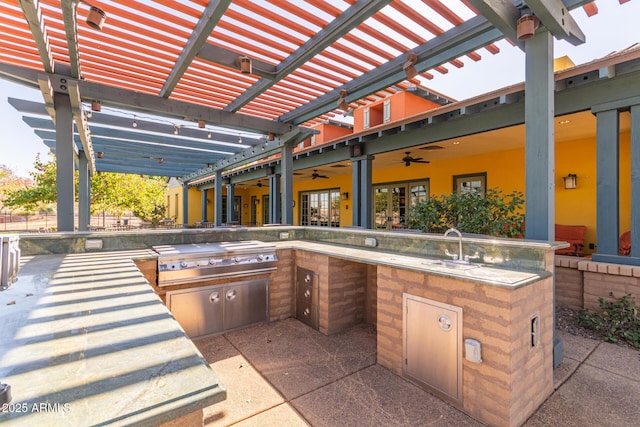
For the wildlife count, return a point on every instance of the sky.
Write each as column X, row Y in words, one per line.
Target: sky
column 615, row 27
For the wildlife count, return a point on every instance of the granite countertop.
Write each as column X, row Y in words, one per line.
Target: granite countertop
column 86, row 341
column 476, row 273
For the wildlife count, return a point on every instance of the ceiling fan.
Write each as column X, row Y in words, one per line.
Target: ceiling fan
column 408, row 159
column 315, row 175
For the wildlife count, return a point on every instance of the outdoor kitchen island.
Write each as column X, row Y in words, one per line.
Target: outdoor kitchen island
column 86, row 341
column 491, row 319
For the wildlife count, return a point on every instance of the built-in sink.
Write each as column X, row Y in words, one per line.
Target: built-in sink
column 451, row 264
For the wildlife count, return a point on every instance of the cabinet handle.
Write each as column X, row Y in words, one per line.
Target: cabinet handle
column 307, row 278
column 307, row 293
column 231, row 295
column 306, row 312
column 214, row 297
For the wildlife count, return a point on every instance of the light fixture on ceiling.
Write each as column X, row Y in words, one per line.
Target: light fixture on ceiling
column 175, row 129
column 209, row 135
column 342, row 102
column 160, row 160
column 409, row 66
column 88, row 114
column 244, row 64
column 96, row 105
column 271, row 136
column 201, row 124
column 95, row 17
column 100, row 154
column 564, row 122
column 526, row 26
column 134, row 124
column 239, row 139
column 570, row 181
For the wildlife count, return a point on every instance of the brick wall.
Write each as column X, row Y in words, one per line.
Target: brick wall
column 581, row 282
column 513, row 379
column 281, row 287
column 569, row 282
column 371, row 296
column 346, row 291
column 600, row 278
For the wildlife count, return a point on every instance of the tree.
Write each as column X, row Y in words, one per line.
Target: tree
column 10, row 182
column 115, row 193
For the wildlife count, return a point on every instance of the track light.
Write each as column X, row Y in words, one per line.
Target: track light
column 209, row 135
column 244, row 63
column 239, row 139
column 409, row 66
column 134, row 124
column 96, row 105
column 88, row 114
column 96, row 16
column 342, row 102
column 175, row 129
column 201, row 124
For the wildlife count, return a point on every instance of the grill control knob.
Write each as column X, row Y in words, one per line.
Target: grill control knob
column 236, row 260
column 212, row 261
column 260, row 257
column 183, row 264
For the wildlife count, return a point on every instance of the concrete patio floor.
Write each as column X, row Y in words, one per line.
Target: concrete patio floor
column 286, row 374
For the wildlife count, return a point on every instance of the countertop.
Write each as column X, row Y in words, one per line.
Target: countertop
column 86, row 341
column 474, row 272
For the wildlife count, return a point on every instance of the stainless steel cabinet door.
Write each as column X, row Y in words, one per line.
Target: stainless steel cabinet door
column 199, row 311
column 245, row 304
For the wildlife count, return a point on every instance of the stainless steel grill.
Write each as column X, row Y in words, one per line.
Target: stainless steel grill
column 178, row 264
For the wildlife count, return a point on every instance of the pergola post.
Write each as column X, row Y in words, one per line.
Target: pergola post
column 230, row 203
column 539, row 151
column 286, row 170
column 204, row 205
column 274, row 199
column 84, row 192
column 65, row 154
column 185, row 205
column 217, row 204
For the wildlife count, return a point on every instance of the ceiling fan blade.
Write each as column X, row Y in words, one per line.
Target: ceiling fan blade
column 421, row 161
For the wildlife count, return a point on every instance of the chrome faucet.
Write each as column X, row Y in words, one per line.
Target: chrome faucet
column 458, row 256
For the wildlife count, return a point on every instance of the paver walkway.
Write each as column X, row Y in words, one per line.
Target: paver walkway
column 286, row 374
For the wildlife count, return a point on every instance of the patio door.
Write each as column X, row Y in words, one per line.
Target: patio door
column 391, row 201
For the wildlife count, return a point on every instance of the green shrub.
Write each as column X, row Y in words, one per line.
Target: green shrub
column 494, row 213
column 618, row 320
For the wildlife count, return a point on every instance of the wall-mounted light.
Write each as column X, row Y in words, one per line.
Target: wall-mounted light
column 409, row 66
column 345, row 196
column 244, row 63
column 570, row 181
column 526, row 27
column 342, row 102
column 95, row 17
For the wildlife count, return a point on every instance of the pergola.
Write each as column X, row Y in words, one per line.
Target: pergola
column 193, row 89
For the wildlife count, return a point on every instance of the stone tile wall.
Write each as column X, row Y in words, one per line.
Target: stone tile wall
column 513, row 379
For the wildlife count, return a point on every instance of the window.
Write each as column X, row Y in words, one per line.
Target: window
column 320, row 208
column 265, row 209
column 476, row 182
